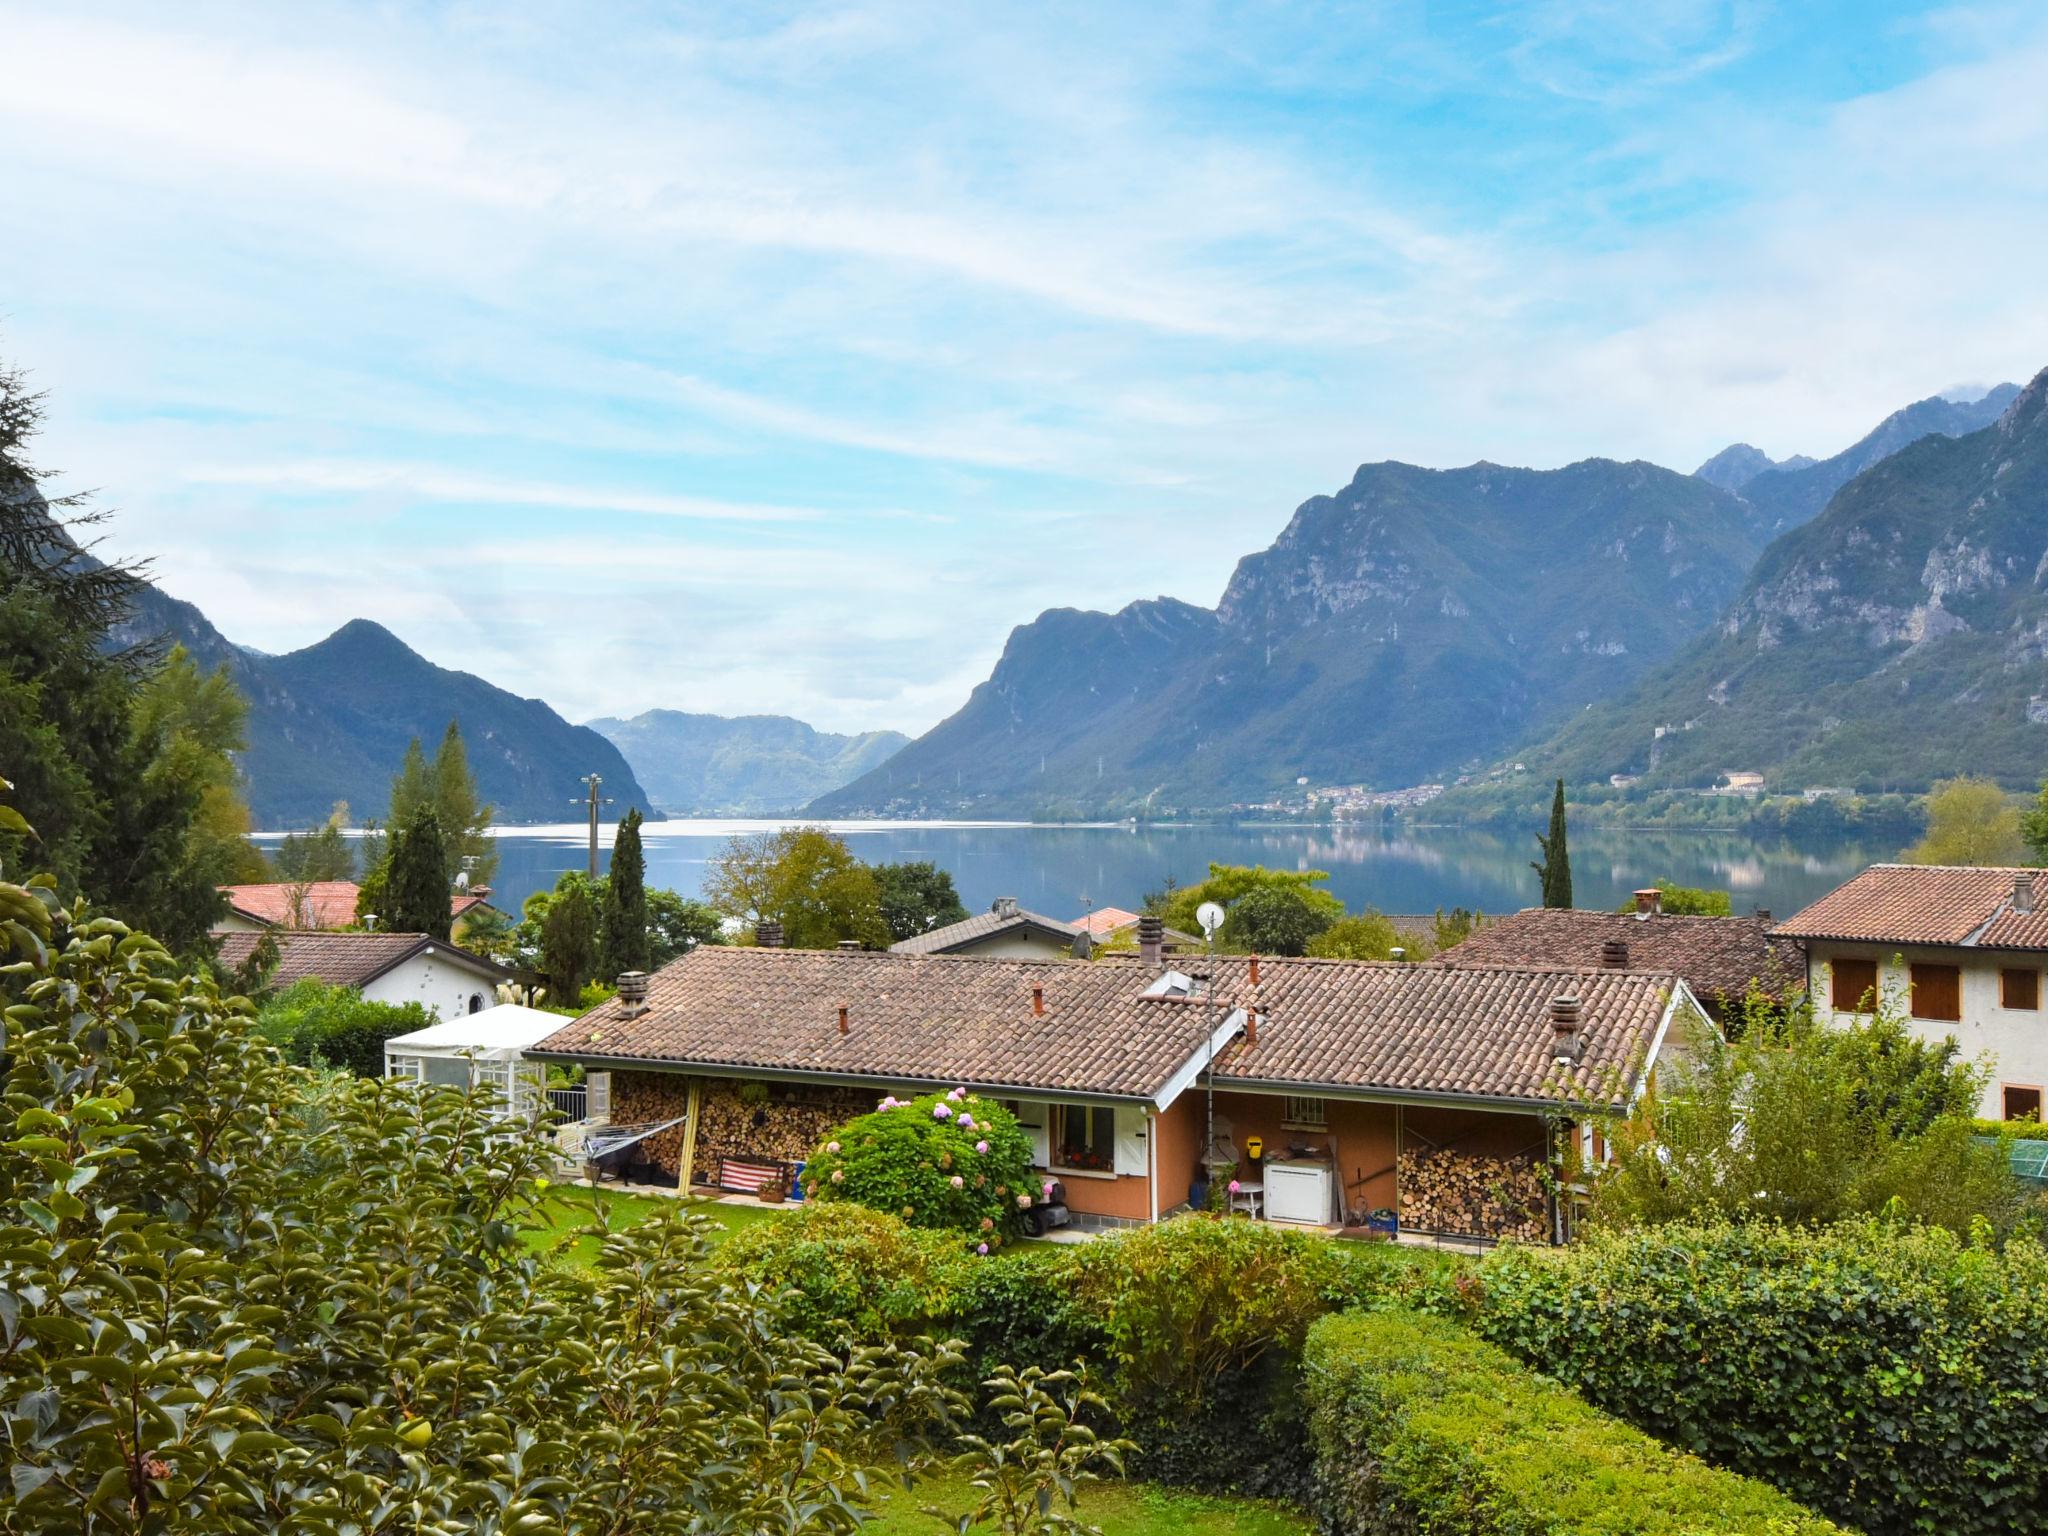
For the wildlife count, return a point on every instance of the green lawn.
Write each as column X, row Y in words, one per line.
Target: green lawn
column 1121, row 1509
column 569, row 1210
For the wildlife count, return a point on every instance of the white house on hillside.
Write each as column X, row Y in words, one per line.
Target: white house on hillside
column 385, row 967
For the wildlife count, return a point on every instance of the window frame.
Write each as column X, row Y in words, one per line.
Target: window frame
column 2006, row 973
column 1056, row 1138
column 1913, row 970
column 1864, row 995
column 2005, row 1093
column 1304, row 1112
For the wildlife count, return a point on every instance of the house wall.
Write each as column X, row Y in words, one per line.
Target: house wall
column 1361, row 1139
column 234, row 922
column 443, row 984
column 1024, row 945
column 2016, row 1039
column 1176, row 1146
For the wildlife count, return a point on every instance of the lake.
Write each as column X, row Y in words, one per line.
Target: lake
column 1063, row 870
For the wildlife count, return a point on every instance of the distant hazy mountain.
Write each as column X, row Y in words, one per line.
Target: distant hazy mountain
column 1416, row 621
column 1739, row 463
column 1790, row 493
column 331, row 722
column 751, row 765
column 1899, row 637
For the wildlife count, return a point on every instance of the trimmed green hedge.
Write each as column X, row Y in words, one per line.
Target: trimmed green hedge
column 1893, row 1377
column 2015, row 1130
column 311, row 1022
column 1419, row 1427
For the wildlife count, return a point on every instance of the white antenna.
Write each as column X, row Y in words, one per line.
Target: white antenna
column 1210, row 916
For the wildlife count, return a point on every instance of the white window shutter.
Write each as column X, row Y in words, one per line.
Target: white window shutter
column 598, row 1095
column 1131, row 1130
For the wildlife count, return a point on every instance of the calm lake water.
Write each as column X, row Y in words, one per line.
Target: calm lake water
column 1062, row 870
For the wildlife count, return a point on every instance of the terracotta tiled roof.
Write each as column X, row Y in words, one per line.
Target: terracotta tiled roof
column 1405, row 1030
column 910, row 1018
column 1429, row 1031
column 345, row 959
column 1927, row 904
column 1104, row 920
column 1717, row 956
column 327, row 903
column 983, row 925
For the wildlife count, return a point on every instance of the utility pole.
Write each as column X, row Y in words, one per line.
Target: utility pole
column 593, row 783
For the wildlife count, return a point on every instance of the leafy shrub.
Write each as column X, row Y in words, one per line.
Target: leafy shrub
column 1892, row 1377
column 2015, row 1130
column 843, row 1269
column 1024, row 1309
column 312, row 1022
column 1418, row 1426
column 950, row 1161
column 1274, row 920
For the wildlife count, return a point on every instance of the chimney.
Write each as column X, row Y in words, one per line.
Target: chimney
column 1004, row 906
column 849, row 946
column 1649, row 902
column 1083, row 945
column 1253, row 977
column 1038, row 1002
column 1764, row 913
column 768, row 934
column 844, row 1008
column 1614, row 955
column 632, row 993
column 2023, row 891
column 1566, row 1046
column 1151, row 940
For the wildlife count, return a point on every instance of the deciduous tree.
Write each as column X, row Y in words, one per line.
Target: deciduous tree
column 1970, row 821
column 804, row 878
column 917, row 897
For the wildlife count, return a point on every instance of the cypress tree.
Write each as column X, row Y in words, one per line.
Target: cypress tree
column 416, row 887
column 625, row 946
column 1556, row 869
column 569, row 939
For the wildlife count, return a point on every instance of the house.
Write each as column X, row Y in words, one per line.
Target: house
column 1005, row 929
column 1719, row 957
column 1360, row 1083
column 1106, row 924
column 384, row 967
column 1957, row 951
column 317, row 904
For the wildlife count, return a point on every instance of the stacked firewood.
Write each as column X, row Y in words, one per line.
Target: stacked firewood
column 1443, row 1190
column 779, row 1123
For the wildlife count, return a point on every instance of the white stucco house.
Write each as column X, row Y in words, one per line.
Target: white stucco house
column 1957, row 951
column 1005, row 931
column 385, row 967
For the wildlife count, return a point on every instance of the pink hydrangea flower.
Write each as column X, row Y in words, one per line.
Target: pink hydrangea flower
column 981, row 1147
column 958, row 1182
column 981, row 1248
column 1023, row 1202
column 940, row 1112
column 1235, row 1187
column 889, row 1101
column 987, row 1223
column 966, row 1122
column 838, row 1175
column 831, row 1146
column 1048, row 1189
column 957, row 1095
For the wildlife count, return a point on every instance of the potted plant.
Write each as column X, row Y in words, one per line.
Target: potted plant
column 773, row 1191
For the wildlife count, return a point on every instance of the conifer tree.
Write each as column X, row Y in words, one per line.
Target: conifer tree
column 625, row 946
column 1556, row 869
column 416, row 887
column 569, row 939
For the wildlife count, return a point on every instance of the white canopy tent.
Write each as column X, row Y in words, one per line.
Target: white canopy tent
column 485, row 1049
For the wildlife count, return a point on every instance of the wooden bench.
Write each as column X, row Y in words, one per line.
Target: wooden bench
column 746, row 1175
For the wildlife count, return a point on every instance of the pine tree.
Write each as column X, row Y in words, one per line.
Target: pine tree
column 465, row 822
column 1556, row 869
column 625, row 946
column 416, row 886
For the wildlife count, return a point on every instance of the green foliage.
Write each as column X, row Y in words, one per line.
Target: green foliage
column 843, row 1269
column 313, row 1024
column 1688, row 901
column 917, row 896
column 624, row 942
column 1025, row 1308
column 1887, row 1375
column 416, row 891
column 676, row 925
column 1273, row 920
column 949, row 1161
column 1029, row 1482
column 322, row 854
column 569, row 936
column 448, row 789
column 804, row 878
column 194, row 724
column 1453, row 927
column 1230, row 883
column 1797, row 1122
column 1419, row 1427
column 310, row 1300
column 1554, row 873
column 2034, row 826
column 1369, row 936
column 1970, row 821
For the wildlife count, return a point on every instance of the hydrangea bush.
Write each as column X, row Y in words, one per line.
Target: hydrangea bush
column 949, row 1161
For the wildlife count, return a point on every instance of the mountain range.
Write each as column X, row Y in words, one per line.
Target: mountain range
column 1899, row 637
column 752, row 765
column 1408, row 628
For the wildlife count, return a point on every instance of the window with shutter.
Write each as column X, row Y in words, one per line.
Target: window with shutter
column 1938, row 993
column 1854, row 985
column 2022, row 1103
column 2018, row 988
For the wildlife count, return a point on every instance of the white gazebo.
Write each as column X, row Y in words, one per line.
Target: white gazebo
column 481, row 1049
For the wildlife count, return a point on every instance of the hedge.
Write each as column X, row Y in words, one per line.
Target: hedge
column 311, row 1022
column 1419, row 1426
column 2014, row 1130
column 1895, row 1378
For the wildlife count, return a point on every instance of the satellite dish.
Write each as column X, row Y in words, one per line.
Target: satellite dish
column 1210, row 916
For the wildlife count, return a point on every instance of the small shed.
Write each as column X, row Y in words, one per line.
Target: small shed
column 486, row 1049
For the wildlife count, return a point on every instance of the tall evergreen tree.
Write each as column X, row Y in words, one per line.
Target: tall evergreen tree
column 465, row 820
column 1556, row 869
column 569, row 939
column 625, row 945
column 416, row 885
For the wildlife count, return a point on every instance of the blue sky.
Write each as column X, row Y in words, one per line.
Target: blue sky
column 782, row 358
